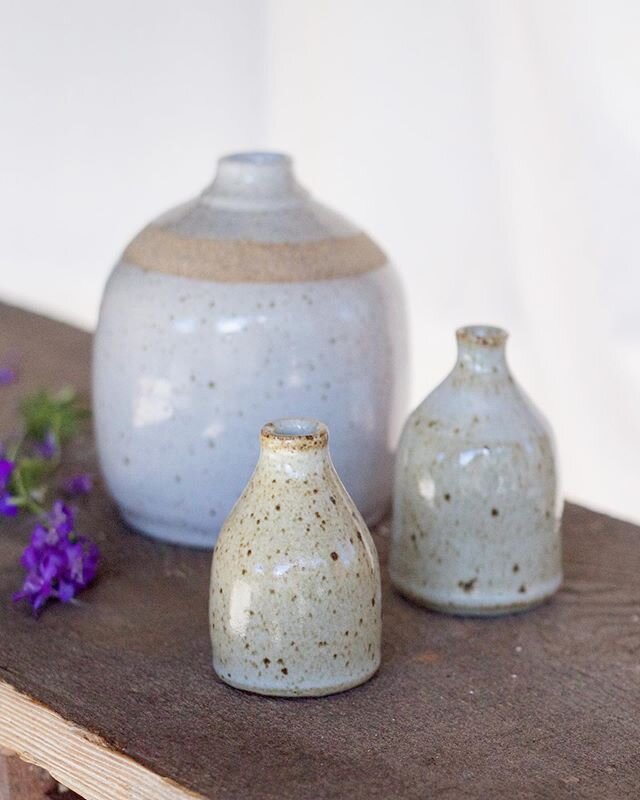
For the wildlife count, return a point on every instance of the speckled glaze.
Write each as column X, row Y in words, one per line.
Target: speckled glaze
column 295, row 605
column 476, row 521
column 249, row 303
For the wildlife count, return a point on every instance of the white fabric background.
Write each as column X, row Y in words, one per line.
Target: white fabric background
column 491, row 146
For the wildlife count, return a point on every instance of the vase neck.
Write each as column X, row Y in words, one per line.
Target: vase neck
column 294, row 447
column 482, row 350
column 255, row 181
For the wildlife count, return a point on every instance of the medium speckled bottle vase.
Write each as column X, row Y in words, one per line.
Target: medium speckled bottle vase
column 476, row 520
column 295, row 584
column 249, row 303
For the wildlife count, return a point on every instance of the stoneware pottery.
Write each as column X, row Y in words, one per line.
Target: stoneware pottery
column 251, row 302
column 476, row 523
column 295, row 584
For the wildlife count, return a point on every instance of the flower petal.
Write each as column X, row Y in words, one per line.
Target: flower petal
column 6, row 468
column 7, row 506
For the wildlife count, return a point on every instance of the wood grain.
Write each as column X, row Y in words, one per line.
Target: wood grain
column 76, row 757
column 542, row 705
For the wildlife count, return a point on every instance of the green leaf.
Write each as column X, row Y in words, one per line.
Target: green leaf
column 32, row 472
column 28, row 486
column 59, row 414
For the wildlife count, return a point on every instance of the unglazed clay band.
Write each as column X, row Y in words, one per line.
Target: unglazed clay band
column 232, row 260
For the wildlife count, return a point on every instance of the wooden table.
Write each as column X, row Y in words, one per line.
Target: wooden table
column 116, row 698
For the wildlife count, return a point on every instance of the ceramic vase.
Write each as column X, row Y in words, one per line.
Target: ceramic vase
column 295, row 584
column 251, row 302
column 476, row 521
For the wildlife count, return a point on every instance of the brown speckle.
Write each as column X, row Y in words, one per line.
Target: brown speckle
column 447, row 496
column 522, row 589
column 467, row 586
column 494, row 512
column 516, row 568
column 334, row 555
column 427, row 657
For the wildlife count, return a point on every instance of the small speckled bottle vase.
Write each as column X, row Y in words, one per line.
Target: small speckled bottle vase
column 295, row 584
column 476, row 521
column 250, row 302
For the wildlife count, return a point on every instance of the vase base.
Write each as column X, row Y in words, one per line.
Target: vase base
column 306, row 691
column 481, row 610
column 376, row 515
column 169, row 531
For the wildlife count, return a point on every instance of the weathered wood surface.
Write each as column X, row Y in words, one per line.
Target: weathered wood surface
column 543, row 705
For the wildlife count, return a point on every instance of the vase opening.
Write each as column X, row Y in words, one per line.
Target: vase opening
column 481, row 349
column 482, row 335
column 259, row 158
column 295, row 432
column 259, row 180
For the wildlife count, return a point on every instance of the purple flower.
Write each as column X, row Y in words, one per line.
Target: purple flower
column 78, row 485
column 6, row 468
column 48, row 447
column 61, row 519
column 8, row 369
column 58, row 562
column 7, row 506
column 8, row 375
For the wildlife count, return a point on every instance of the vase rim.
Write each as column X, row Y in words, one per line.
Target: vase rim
column 301, row 433
column 482, row 335
column 258, row 158
column 257, row 180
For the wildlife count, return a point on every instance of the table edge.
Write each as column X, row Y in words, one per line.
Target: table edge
column 74, row 756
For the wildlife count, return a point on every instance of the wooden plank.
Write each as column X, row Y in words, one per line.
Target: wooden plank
column 76, row 757
column 532, row 706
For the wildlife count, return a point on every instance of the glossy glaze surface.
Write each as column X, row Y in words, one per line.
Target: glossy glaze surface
column 186, row 368
column 295, row 585
column 476, row 523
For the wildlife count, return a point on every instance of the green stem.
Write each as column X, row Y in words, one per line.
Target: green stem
column 24, row 499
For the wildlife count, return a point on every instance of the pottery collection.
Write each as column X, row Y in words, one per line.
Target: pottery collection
column 476, row 522
column 249, row 303
column 254, row 302
column 295, row 604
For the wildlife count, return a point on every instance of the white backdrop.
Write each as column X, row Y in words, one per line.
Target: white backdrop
column 492, row 147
